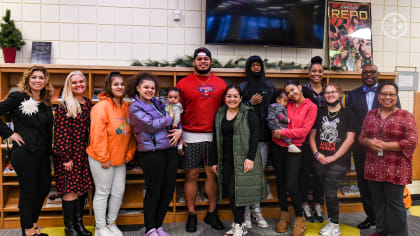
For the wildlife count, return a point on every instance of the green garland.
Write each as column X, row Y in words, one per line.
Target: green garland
column 187, row 61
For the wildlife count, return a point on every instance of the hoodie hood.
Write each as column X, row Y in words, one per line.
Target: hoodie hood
column 103, row 96
column 254, row 77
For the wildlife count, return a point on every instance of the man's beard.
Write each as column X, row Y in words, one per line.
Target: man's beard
column 202, row 72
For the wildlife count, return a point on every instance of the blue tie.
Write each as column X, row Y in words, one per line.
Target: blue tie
column 369, row 89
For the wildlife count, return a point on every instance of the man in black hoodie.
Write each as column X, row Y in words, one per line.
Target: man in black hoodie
column 259, row 93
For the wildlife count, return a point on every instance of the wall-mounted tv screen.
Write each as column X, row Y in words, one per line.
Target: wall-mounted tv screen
column 287, row 23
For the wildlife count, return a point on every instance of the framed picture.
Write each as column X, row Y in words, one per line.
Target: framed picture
column 349, row 35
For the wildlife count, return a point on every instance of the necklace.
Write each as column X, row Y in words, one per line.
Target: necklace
column 203, row 82
column 332, row 115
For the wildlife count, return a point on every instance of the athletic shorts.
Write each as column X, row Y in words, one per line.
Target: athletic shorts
column 197, row 155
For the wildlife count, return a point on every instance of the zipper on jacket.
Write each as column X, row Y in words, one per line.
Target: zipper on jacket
column 154, row 142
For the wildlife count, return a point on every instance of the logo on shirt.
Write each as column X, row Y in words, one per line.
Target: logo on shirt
column 123, row 128
column 329, row 132
column 205, row 90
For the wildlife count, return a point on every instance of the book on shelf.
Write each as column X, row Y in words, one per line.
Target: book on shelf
column 352, row 166
column 13, row 89
column 128, row 99
column 351, row 189
column 53, row 200
column 269, row 194
column 10, row 125
column 9, row 169
column 58, row 94
column 96, row 92
column 129, row 212
column 180, row 193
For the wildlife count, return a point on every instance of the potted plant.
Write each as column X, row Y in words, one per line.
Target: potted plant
column 10, row 38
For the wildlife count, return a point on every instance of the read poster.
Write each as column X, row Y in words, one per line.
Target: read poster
column 349, row 35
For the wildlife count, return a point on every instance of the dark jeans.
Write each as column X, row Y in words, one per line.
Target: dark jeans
column 228, row 178
column 359, row 156
column 33, row 171
column 331, row 176
column 388, row 203
column 159, row 169
column 286, row 167
column 308, row 177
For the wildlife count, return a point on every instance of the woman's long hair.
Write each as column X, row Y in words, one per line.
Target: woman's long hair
column 71, row 103
column 46, row 92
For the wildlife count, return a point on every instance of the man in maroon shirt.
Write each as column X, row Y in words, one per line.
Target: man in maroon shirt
column 201, row 96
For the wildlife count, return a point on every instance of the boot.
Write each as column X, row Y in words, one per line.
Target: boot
column 300, row 226
column 68, row 211
column 78, row 216
column 283, row 223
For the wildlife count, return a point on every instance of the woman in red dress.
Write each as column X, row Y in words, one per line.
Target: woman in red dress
column 390, row 135
column 71, row 167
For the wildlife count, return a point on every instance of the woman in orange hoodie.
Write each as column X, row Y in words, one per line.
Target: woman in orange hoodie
column 112, row 144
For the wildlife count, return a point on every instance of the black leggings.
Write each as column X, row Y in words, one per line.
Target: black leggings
column 159, row 169
column 331, row 176
column 33, row 171
column 308, row 177
column 228, row 175
column 286, row 167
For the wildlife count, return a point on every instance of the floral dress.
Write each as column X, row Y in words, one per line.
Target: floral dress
column 71, row 136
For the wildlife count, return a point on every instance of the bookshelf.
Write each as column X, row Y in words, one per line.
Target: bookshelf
column 132, row 207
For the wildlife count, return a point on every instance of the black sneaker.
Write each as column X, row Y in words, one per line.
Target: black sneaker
column 213, row 220
column 191, row 225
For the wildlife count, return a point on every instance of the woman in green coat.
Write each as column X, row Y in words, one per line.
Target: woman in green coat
column 238, row 166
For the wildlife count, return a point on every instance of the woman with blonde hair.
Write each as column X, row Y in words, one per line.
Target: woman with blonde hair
column 32, row 118
column 71, row 167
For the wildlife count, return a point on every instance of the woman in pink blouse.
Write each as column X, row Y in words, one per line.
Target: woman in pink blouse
column 390, row 134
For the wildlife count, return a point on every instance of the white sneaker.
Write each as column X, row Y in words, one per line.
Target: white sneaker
column 240, row 230
column 326, row 229
column 335, row 230
column 230, row 231
column 114, row 230
column 330, row 229
column 293, row 149
column 258, row 218
column 104, row 231
column 248, row 221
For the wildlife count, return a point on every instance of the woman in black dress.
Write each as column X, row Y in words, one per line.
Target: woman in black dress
column 29, row 109
column 71, row 167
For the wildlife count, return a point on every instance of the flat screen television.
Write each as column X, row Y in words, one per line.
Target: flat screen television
column 286, row 23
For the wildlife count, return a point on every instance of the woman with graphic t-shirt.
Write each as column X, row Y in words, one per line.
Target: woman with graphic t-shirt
column 330, row 140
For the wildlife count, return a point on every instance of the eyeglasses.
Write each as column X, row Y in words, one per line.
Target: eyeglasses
column 391, row 95
column 369, row 72
column 331, row 92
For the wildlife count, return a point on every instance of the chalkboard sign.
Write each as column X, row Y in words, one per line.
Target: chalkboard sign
column 41, row 53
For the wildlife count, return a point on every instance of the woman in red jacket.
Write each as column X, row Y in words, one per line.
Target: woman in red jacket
column 302, row 114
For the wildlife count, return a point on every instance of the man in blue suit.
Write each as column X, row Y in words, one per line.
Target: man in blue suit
column 360, row 101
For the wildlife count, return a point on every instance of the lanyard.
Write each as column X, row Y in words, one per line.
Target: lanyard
column 382, row 124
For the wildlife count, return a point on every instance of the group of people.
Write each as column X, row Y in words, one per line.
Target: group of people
column 227, row 130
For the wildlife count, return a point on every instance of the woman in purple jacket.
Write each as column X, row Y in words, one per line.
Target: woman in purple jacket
column 150, row 124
